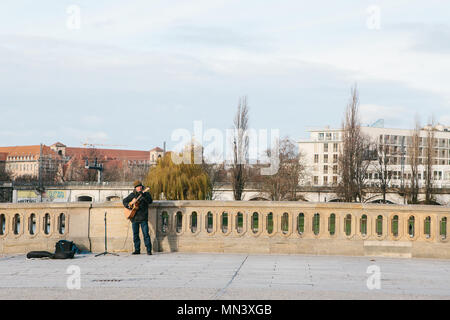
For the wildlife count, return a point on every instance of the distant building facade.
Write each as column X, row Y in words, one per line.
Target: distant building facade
column 30, row 161
column 27, row 160
column 155, row 154
column 323, row 147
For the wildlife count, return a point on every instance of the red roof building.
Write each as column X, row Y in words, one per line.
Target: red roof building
column 24, row 160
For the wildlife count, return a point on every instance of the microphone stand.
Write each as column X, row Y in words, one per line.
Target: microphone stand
column 106, row 251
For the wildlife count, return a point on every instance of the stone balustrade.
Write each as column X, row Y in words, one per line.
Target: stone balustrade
column 235, row 226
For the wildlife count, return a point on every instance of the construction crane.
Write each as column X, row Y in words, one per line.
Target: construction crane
column 92, row 145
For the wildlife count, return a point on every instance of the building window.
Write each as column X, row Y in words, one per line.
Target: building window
column 316, row 180
column 335, row 147
column 325, row 169
column 84, row 198
column 316, row 158
column 325, row 158
column 325, row 180
column 402, row 140
column 325, row 147
column 335, row 158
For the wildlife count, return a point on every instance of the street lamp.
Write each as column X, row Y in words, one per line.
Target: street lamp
column 95, row 166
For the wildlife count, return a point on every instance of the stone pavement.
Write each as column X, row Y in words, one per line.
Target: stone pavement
column 208, row 276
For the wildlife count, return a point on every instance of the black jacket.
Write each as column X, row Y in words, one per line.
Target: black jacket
column 142, row 212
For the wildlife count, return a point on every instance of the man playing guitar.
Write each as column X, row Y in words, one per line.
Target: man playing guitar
column 142, row 200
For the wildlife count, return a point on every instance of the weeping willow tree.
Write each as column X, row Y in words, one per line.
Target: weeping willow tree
column 178, row 181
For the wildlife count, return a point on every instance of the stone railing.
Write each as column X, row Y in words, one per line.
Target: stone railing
column 307, row 228
column 235, row 226
column 37, row 227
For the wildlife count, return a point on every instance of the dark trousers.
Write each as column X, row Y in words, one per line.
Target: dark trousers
column 137, row 240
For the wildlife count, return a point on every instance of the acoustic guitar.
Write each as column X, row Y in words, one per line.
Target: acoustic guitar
column 134, row 206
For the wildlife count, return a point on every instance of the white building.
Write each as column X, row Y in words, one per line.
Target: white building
column 324, row 146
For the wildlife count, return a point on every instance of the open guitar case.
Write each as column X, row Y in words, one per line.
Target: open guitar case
column 63, row 250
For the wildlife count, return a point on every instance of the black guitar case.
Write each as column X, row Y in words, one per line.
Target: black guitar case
column 39, row 254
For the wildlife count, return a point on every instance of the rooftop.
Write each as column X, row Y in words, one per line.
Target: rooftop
column 33, row 151
column 105, row 154
column 116, row 154
column 438, row 127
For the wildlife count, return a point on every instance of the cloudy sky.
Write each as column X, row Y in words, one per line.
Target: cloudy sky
column 129, row 73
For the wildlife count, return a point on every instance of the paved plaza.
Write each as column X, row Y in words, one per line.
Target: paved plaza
column 222, row 276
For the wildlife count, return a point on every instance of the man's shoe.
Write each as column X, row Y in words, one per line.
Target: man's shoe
column 149, row 253
column 136, row 252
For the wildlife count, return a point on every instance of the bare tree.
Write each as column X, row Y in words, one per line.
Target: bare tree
column 413, row 151
column 429, row 162
column 113, row 169
column 355, row 157
column 363, row 158
column 216, row 173
column 140, row 172
column 120, row 171
column 50, row 169
column 240, row 149
column 75, row 169
column 382, row 168
column 125, row 172
column 4, row 174
column 284, row 185
column 92, row 155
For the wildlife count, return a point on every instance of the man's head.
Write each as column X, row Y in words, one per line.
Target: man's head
column 138, row 186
